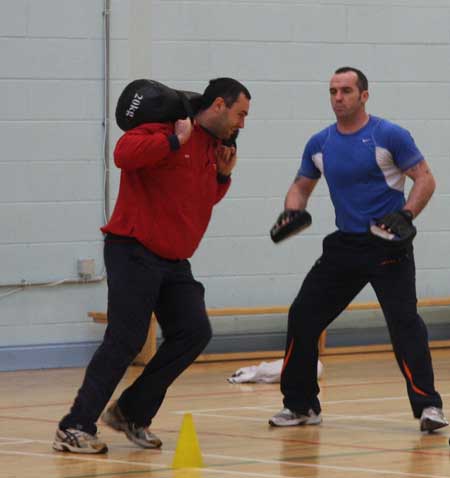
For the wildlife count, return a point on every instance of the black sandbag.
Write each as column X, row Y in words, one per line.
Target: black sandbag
column 148, row 101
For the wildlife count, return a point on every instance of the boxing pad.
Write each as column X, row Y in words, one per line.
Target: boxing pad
column 288, row 223
column 148, row 101
column 398, row 231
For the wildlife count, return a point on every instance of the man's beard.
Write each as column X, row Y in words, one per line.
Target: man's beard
column 221, row 128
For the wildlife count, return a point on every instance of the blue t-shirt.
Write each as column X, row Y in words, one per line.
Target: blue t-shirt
column 364, row 170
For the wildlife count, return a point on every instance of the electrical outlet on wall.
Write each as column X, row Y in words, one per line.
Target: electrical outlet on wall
column 86, row 268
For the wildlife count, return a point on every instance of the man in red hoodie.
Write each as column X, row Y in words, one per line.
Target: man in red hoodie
column 172, row 174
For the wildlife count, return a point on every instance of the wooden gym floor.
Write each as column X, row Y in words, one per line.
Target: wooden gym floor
column 368, row 430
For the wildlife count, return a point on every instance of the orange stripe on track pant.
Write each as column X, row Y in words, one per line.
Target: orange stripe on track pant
column 288, row 355
column 410, row 378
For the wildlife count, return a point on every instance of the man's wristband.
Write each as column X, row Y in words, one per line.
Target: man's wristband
column 223, row 178
column 407, row 213
column 174, row 142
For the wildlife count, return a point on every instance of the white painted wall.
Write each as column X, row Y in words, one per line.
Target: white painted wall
column 51, row 174
column 284, row 51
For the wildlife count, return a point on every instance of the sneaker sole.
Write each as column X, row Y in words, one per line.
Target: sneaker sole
column 65, row 447
column 146, row 445
column 431, row 425
column 296, row 423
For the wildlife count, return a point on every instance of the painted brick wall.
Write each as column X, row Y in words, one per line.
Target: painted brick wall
column 284, row 51
column 51, row 173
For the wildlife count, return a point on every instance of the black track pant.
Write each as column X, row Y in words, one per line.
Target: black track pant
column 140, row 282
column 348, row 263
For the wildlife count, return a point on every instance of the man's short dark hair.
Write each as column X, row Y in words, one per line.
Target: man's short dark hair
column 226, row 88
column 363, row 83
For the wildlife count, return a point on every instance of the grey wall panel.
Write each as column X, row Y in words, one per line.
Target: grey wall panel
column 289, row 22
column 28, row 181
column 51, row 172
column 396, row 24
column 50, row 140
column 46, row 261
column 51, row 100
column 47, row 223
column 13, row 21
column 74, row 19
column 52, row 306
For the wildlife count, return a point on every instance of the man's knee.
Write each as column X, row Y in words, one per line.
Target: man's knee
column 203, row 333
column 298, row 316
column 126, row 343
column 302, row 322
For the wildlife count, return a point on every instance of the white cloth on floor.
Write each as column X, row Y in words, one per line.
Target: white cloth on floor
column 265, row 372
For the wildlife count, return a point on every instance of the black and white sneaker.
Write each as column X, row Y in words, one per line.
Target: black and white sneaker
column 288, row 418
column 142, row 436
column 432, row 418
column 78, row 441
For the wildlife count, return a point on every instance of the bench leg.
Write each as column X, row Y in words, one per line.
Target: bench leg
column 149, row 348
column 322, row 342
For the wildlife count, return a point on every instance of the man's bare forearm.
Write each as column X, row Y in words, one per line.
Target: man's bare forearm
column 422, row 190
column 299, row 192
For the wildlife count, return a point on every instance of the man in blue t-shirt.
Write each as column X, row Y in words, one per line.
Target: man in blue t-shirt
column 365, row 161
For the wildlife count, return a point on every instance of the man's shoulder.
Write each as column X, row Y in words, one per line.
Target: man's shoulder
column 166, row 128
column 317, row 140
column 384, row 128
column 325, row 132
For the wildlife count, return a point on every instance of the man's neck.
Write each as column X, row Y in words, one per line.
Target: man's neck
column 352, row 125
column 202, row 119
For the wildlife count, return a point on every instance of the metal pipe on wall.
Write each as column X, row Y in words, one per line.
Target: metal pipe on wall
column 106, row 90
column 21, row 286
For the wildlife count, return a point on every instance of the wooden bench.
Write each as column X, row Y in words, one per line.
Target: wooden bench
column 150, row 345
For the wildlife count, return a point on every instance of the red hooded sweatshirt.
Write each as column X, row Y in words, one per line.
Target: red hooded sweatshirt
column 165, row 196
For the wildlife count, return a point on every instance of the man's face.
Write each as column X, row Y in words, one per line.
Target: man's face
column 346, row 99
column 230, row 119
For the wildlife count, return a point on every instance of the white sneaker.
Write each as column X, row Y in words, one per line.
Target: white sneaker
column 288, row 418
column 78, row 441
column 432, row 418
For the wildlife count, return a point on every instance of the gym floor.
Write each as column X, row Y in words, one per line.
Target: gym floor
column 367, row 429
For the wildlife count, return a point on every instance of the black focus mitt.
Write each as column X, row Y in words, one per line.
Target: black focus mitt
column 290, row 222
column 398, row 228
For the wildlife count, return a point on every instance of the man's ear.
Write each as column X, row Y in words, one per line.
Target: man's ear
column 218, row 104
column 364, row 96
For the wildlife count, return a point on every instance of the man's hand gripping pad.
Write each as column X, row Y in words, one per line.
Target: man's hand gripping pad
column 401, row 229
column 290, row 222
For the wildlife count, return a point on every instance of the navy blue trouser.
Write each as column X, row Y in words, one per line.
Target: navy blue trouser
column 140, row 282
column 348, row 263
